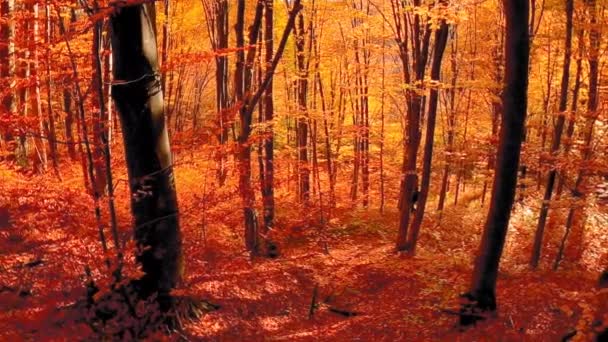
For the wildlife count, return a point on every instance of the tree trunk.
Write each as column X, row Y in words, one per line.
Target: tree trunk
column 576, row 212
column 482, row 294
column 414, row 103
column 451, row 126
column 52, row 135
column 40, row 141
column 441, row 38
column 557, row 139
column 218, row 18
column 302, row 120
column 139, row 100
column 10, row 101
column 573, row 108
column 242, row 82
column 268, row 186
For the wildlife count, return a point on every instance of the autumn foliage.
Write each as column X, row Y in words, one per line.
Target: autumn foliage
column 303, row 170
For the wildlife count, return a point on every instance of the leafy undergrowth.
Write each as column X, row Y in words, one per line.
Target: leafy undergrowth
column 337, row 277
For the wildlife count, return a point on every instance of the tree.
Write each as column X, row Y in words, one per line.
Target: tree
column 578, row 189
column 413, row 53
column 268, row 161
column 247, row 100
column 557, row 137
column 139, row 100
column 441, row 38
column 217, row 21
column 8, row 67
column 482, row 294
column 302, row 120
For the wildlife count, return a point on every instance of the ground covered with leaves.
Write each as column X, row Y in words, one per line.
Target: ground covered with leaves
column 337, row 276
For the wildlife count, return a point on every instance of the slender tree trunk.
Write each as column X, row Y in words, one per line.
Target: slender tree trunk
column 268, row 186
column 557, row 138
column 165, row 43
column 573, row 109
column 10, row 99
column 139, row 100
column 451, row 126
column 482, row 294
column 326, row 135
column 24, row 71
column 248, row 101
column 441, row 38
column 218, row 19
column 302, row 120
column 41, row 141
column 415, row 103
column 52, row 135
column 4, row 60
column 69, row 123
column 382, row 118
column 242, row 81
column 575, row 214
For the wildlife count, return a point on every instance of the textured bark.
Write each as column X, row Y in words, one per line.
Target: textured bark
column 482, row 294
column 139, row 100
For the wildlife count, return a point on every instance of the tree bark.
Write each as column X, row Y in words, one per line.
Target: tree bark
column 482, row 294
column 268, row 186
column 441, row 38
column 419, row 49
column 575, row 213
column 52, row 135
column 557, row 139
column 302, row 120
column 139, row 100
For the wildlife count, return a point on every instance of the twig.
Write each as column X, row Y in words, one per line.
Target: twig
column 313, row 302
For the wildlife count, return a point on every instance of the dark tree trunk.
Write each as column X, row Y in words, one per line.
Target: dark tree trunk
column 451, row 126
column 52, row 135
column 573, row 108
column 414, row 102
column 482, row 294
column 268, row 186
column 5, row 101
column 8, row 60
column 243, row 84
column 575, row 213
column 496, row 113
column 557, row 138
column 248, row 101
column 67, row 104
column 302, row 120
column 139, row 100
column 220, row 41
column 441, row 38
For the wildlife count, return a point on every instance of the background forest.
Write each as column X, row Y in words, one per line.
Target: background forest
column 304, row 170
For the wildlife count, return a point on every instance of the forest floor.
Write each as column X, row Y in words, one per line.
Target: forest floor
column 342, row 267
